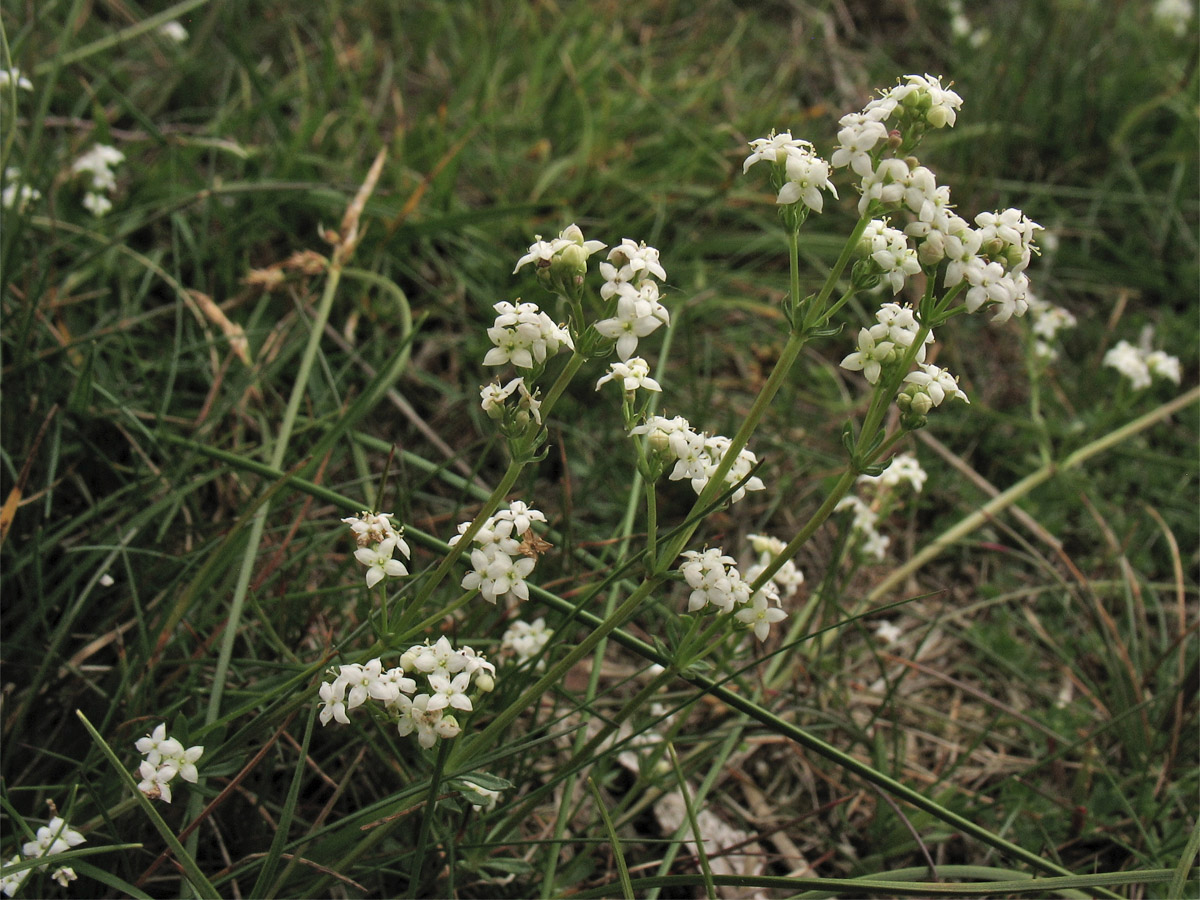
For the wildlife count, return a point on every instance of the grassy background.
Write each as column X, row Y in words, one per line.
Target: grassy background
column 1053, row 693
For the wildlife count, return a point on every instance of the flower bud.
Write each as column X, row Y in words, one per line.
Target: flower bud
column 938, row 116
column 659, row 441
column 485, row 682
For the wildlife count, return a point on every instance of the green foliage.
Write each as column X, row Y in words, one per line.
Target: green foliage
column 1044, row 687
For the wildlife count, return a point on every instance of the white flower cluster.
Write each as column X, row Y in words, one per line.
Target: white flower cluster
column 634, row 373
column 785, row 582
column 804, row 175
column 525, row 640
column 98, row 163
column 888, row 249
column 919, row 102
column 494, row 400
column 715, row 580
column 377, row 541
column 1138, row 362
column 544, row 253
column 1047, row 320
column 904, row 468
column 629, row 276
column 165, row 758
column 873, row 543
column 697, row 455
column 524, row 336
column 448, row 674
column 990, row 258
column 500, row 561
column 895, row 329
column 15, row 194
column 55, row 837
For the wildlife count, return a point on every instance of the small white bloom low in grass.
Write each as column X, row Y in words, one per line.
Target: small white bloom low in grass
column 165, row 758
column 53, row 838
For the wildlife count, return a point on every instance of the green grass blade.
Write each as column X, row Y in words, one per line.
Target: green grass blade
column 192, row 872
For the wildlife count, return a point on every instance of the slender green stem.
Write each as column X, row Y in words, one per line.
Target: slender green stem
column 511, row 474
column 435, row 783
column 697, row 837
column 823, row 512
column 278, row 452
column 783, row 366
column 613, row 839
column 1006, row 499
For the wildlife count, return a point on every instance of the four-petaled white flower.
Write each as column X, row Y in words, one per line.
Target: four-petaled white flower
column 379, row 561
column 633, row 374
column 760, row 614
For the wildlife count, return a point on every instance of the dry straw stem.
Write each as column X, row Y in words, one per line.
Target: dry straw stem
column 998, row 504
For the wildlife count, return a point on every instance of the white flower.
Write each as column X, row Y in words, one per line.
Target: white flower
column 526, row 640
column 541, row 253
column 156, row 780
column 1048, row 319
column 379, row 561
column 874, row 351
column 151, row 745
column 524, row 336
column 857, row 138
column 1164, row 366
column 173, row 31
column 807, row 175
column 98, row 162
column 54, row 837
column 16, row 195
column 760, row 615
column 492, row 396
column 634, row 374
column 333, row 702
column 498, row 574
column 629, row 263
column 875, row 544
column 787, row 579
column 891, row 253
column 14, row 76
column 770, row 148
column 636, row 318
column 714, row 579
column 887, row 633
column 11, row 883
column 521, row 514
column 715, row 448
column 938, row 383
column 1173, row 15
column 449, row 692
column 64, row 875
column 97, row 204
column 885, row 185
column 1130, row 362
